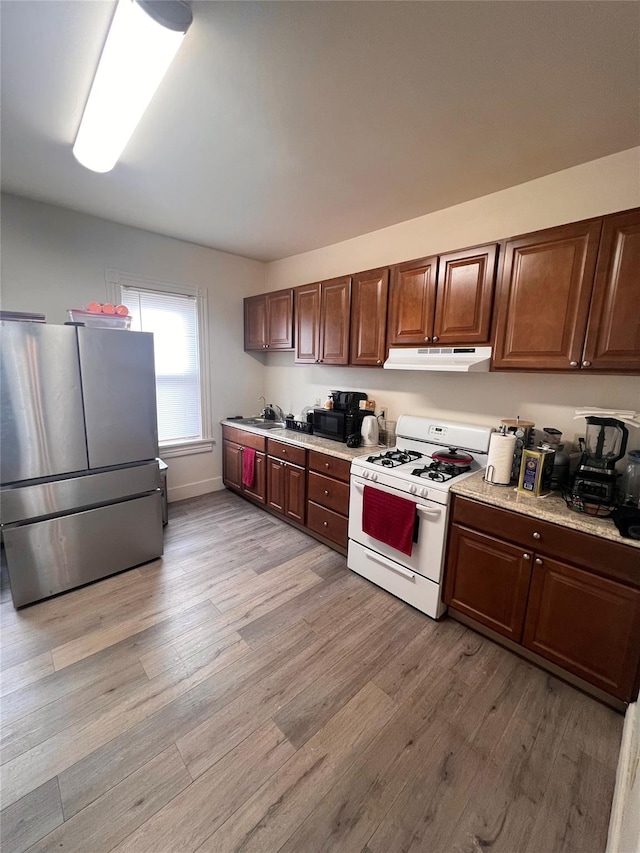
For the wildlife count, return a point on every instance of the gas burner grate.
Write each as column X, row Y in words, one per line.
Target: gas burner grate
column 393, row 458
column 440, row 472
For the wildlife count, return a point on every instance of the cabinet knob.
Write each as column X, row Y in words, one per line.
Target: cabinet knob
column 284, row 449
column 573, row 364
column 378, row 361
column 586, row 364
column 325, row 523
column 536, row 535
column 326, row 491
column 538, row 561
column 435, row 338
column 526, row 556
column 327, row 465
column 427, row 338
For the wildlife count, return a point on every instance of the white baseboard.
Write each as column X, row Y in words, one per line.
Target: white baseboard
column 624, row 825
column 193, row 490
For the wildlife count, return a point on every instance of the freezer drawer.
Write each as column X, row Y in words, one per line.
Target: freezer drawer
column 119, row 392
column 42, row 430
column 52, row 556
column 21, row 503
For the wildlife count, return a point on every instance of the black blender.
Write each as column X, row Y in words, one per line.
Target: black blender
column 595, row 478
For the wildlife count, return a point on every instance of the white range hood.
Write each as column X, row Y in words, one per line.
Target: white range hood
column 445, row 359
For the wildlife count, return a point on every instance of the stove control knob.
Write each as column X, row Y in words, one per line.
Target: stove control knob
column 366, row 475
column 374, row 477
column 413, row 490
column 424, row 493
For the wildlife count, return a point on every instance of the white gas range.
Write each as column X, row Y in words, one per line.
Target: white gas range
column 429, row 456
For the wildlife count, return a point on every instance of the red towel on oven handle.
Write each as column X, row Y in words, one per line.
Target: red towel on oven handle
column 248, row 466
column 389, row 519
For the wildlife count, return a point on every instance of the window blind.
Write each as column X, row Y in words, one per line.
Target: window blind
column 173, row 319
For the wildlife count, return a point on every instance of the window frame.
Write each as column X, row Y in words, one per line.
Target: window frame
column 115, row 281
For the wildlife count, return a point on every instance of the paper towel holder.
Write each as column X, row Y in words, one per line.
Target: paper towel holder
column 489, row 471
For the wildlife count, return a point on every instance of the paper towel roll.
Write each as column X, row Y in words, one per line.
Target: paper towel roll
column 500, row 458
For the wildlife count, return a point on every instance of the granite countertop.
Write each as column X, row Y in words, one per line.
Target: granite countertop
column 550, row 508
column 309, row 442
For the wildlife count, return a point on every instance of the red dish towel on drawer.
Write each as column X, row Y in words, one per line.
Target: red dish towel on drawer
column 389, row 519
column 248, row 466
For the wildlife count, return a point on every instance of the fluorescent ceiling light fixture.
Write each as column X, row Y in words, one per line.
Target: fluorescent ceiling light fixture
column 143, row 39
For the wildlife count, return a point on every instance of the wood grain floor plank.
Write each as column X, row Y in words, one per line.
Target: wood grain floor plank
column 89, row 778
column 30, row 818
column 192, row 816
column 117, row 814
column 271, row 815
column 22, row 674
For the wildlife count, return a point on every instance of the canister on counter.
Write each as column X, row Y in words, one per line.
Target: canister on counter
column 536, row 472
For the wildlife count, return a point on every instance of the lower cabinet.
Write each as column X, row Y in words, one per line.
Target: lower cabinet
column 488, row 580
column 588, row 625
column 235, row 441
column 583, row 617
column 328, row 497
column 287, row 479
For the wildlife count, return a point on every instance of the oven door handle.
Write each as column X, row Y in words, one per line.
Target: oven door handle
column 394, row 568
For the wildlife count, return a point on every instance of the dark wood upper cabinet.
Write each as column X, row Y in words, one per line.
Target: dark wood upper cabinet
column 307, row 302
column 613, row 331
column 322, row 322
column 369, row 317
column 543, row 297
column 466, row 282
column 255, row 323
column 412, row 303
column 334, row 320
column 588, row 625
column 268, row 321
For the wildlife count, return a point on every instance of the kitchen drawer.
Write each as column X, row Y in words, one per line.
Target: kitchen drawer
column 327, row 523
column 330, row 465
column 286, row 452
column 602, row 556
column 246, row 439
column 329, row 493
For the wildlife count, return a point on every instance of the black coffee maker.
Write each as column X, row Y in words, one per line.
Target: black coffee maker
column 347, row 401
column 595, row 479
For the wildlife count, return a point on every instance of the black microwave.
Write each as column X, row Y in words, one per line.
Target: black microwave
column 332, row 423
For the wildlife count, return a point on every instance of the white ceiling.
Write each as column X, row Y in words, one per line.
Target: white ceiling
column 285, row 126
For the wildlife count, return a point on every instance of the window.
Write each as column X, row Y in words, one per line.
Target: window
column 176, row 314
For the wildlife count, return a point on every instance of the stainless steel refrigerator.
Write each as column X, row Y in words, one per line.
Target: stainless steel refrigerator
column 80, row 487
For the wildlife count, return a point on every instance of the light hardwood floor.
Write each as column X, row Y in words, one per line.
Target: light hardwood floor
column 248, row 693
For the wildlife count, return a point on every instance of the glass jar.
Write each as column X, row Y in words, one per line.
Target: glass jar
column 631, row 480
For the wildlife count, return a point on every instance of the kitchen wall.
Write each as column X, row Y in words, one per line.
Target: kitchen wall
column 54, row 259
column 592, row 189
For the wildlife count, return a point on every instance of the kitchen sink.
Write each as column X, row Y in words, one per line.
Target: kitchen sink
column 261, row 423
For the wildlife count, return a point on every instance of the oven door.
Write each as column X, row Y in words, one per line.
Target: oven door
column 427, row 555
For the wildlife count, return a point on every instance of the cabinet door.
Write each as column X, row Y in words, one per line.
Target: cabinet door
column 294, row 495
column 259, row 489
column 586, row 624
column 488, row 579
column 232, row 465
column 255, row 323
column 613, row 333
column 465, row 296
column 543, row 300
column 307, row 311
column 280, row 319
column 335, row 310
column 369, row 317
column 275, row 484
column 412, row 303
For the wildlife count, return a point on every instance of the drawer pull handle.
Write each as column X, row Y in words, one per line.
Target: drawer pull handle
column 526, row 556
column 399, row 570
column 538, row 561
column 424, row 511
